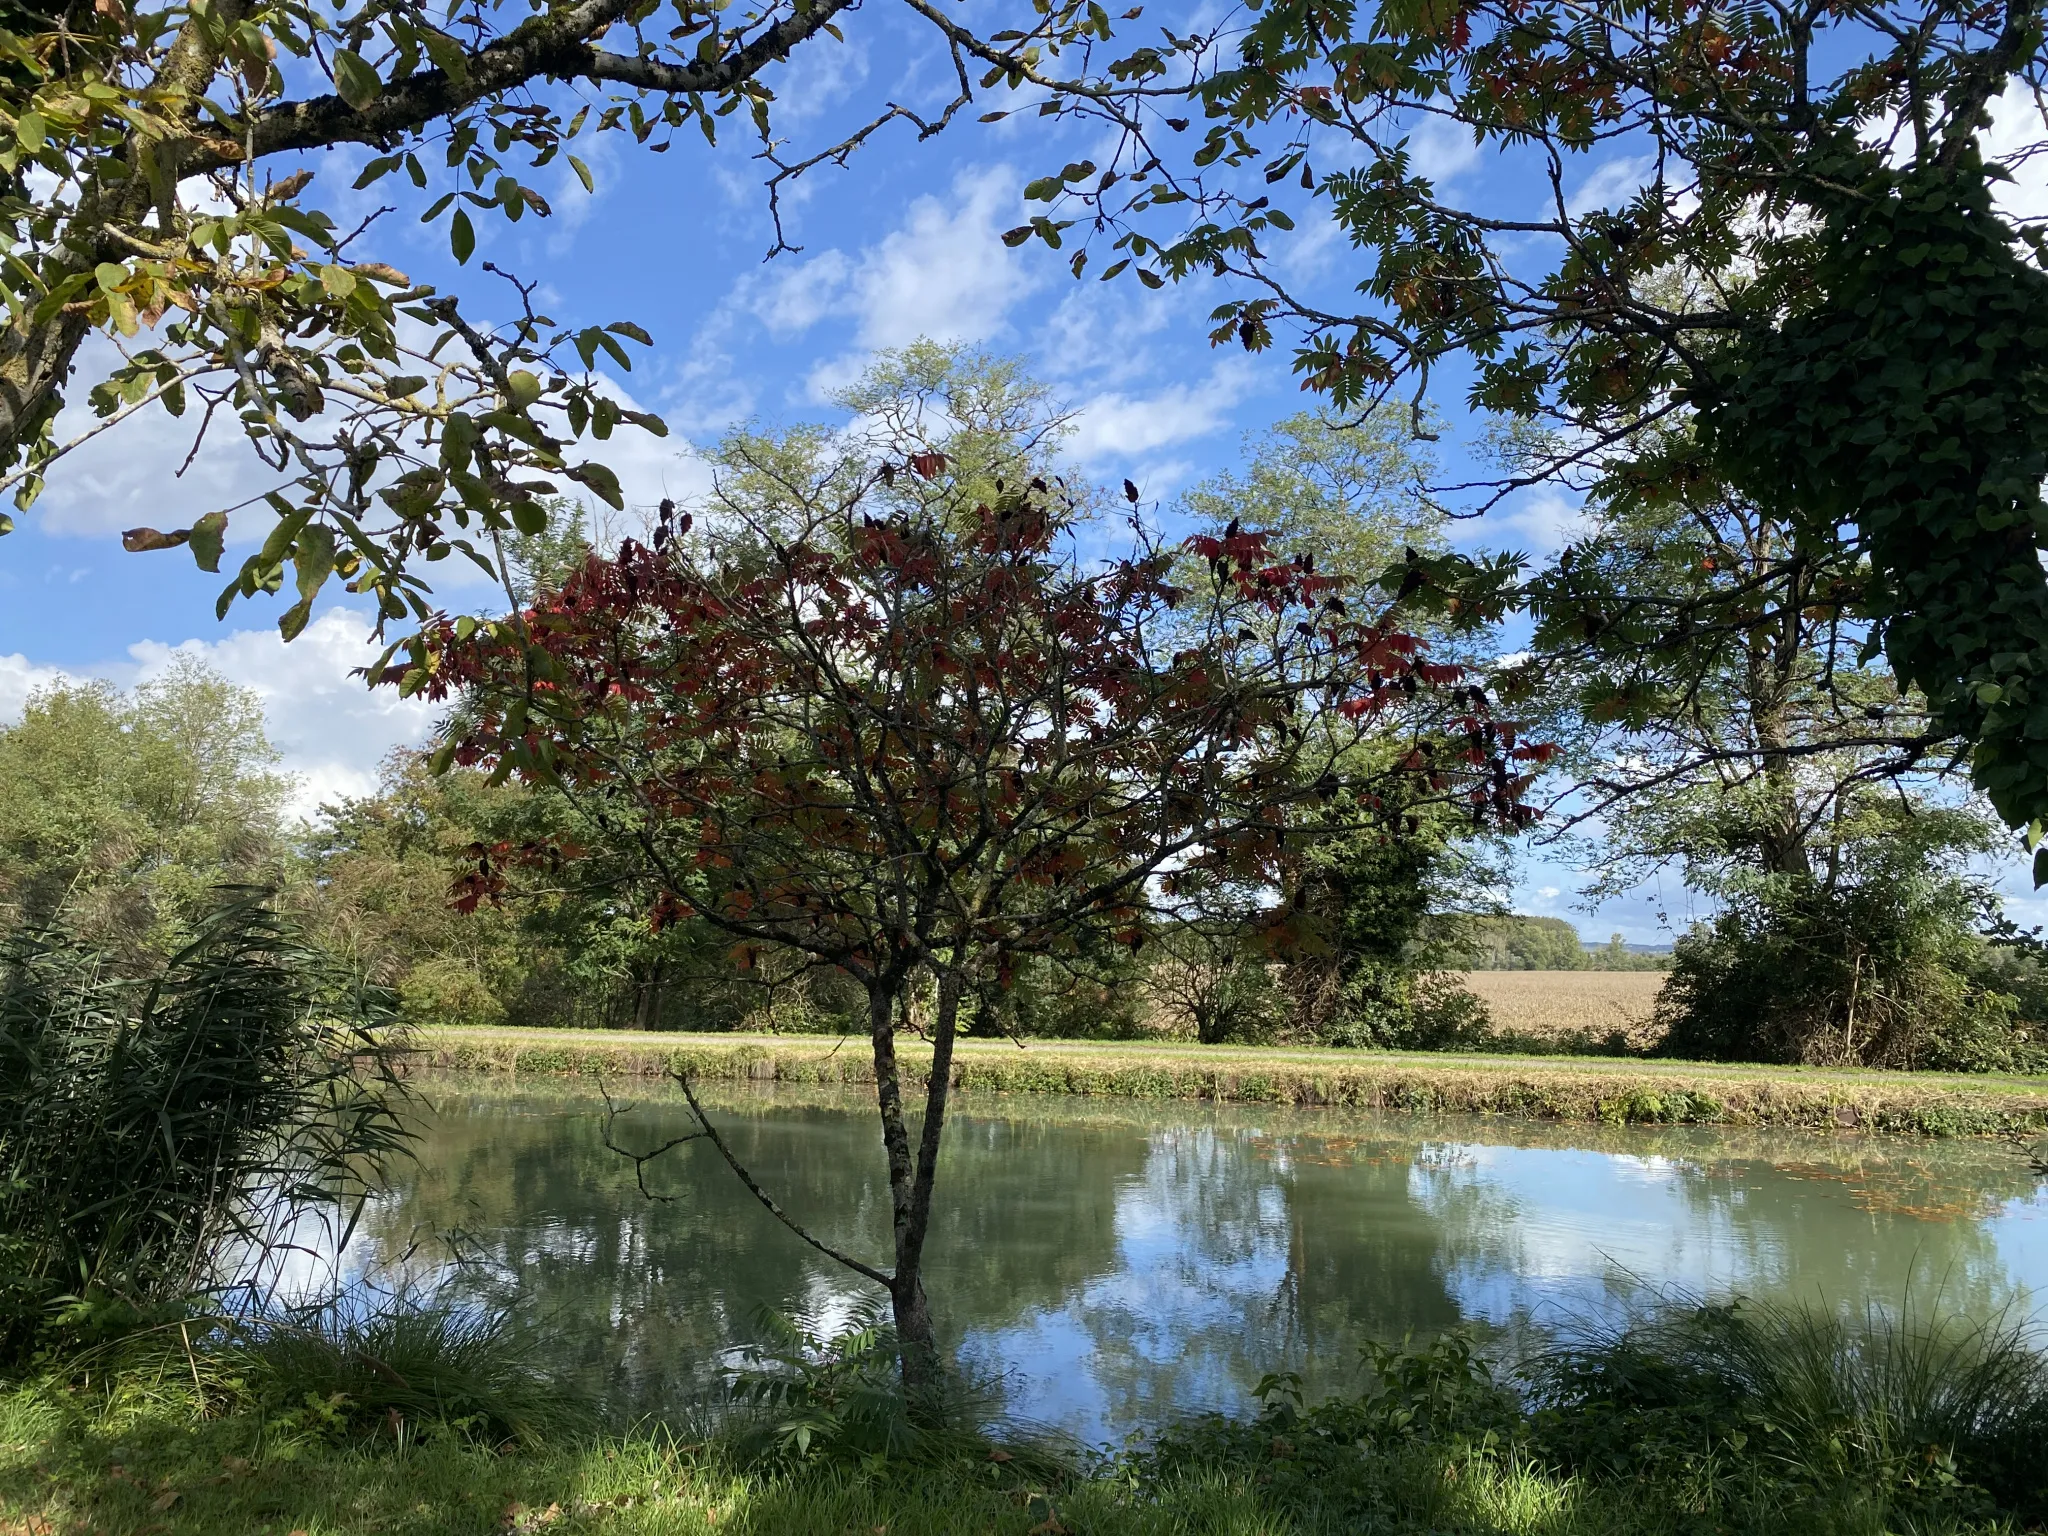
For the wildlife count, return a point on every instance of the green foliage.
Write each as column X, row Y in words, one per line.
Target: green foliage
column 261, row 305
column 1722, row 1418
column 1490, row 942
column 559, row 948
column 360, row 1364
column 1881, row 971
column 1373, row 972
column 155, row 1130
column 123, row 811
column 1727, row 1419
column 1915, row 1415
column 805, row 1399
column 1906, row 397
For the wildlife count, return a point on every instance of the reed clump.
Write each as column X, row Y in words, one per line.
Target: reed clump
column 158, row 1129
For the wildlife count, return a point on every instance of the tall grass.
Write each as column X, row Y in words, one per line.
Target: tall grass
column 410, row 1366
column 1714, row 1418
column 1897, row 1406
column 154, row 1129
column 805, row 1397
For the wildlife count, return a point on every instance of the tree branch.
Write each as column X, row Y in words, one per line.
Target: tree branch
column 554, row 46
column 710, row 1132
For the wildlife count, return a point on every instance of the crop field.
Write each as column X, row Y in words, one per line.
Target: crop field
column 1549, row 1004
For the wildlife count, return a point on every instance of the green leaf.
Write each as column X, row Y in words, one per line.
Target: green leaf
column 601, row 480
column 312, row 559
column 461, row 236
column 582, row 174
column 448, row 55
column 209, row 534
column 356, row 81
column 530, row 518
column 30, row 131
column 631, row 331
column 338, row 281
column 292, row 621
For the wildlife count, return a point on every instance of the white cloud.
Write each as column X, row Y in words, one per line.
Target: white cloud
column 1611, row 183
column 331, row 729
column 943, row 273
column 128, row 476
column 2016, row 128
column 20, row 677
column 1538, row 522
column 1117, row 427
column 1441, row 150
column 818, row 77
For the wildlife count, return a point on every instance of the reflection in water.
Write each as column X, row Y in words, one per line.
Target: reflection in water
column 1120, row 1264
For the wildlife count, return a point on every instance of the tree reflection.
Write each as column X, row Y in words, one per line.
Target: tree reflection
column 1126, row 1263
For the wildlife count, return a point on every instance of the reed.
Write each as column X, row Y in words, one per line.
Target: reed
column 155, row 1128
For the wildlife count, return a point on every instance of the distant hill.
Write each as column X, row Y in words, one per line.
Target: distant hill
column 1518, row 943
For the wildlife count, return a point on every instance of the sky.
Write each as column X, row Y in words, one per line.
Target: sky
column 902, row 243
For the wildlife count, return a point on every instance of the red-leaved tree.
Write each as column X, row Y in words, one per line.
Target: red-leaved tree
column 936, row 742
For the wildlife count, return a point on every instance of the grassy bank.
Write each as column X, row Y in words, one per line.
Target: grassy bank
column 1710, row 1420
column 1582, row 1089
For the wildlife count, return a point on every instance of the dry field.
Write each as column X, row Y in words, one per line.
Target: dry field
column 1553, row 1003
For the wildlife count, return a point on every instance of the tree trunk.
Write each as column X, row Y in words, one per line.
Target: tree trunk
column 911, row 1181
column 647, row 996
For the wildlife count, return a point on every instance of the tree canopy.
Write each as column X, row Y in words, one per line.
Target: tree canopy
column 1813, row 297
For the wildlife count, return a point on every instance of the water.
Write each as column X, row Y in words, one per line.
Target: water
column 1122, row 1264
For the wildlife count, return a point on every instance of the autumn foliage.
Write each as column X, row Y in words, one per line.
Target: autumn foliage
column 934, row 742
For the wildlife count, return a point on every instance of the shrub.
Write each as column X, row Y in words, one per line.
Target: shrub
column 153, row 1129
column 448, row 990
column 1714, row 1418
column 1872, row 974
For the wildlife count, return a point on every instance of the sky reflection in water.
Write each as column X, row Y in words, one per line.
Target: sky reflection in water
column 1121, row 1264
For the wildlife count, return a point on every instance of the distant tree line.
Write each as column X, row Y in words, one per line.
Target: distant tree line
column 1515, row 942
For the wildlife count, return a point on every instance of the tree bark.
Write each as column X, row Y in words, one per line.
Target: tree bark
column 647, row 1001
column 912, row 1179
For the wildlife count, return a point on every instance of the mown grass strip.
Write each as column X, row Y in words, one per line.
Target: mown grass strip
column 1603, row 1090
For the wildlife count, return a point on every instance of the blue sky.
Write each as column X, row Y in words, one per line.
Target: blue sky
column 901, row 244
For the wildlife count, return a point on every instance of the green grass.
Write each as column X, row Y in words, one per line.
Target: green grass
column 1611, row 1090
column 147, row 1470
column 1720, row 1419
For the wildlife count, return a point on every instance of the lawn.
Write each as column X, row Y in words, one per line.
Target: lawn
column 1570, row 1088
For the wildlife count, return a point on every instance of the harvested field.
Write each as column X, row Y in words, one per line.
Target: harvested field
column 1551, row 1004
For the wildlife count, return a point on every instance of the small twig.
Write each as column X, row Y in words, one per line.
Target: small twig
column 640, row 1160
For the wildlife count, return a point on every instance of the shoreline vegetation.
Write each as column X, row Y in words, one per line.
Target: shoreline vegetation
column 1726, row 1418
column 1594, row 1090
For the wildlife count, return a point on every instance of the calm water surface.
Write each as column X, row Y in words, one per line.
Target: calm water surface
column 1121, row 1264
